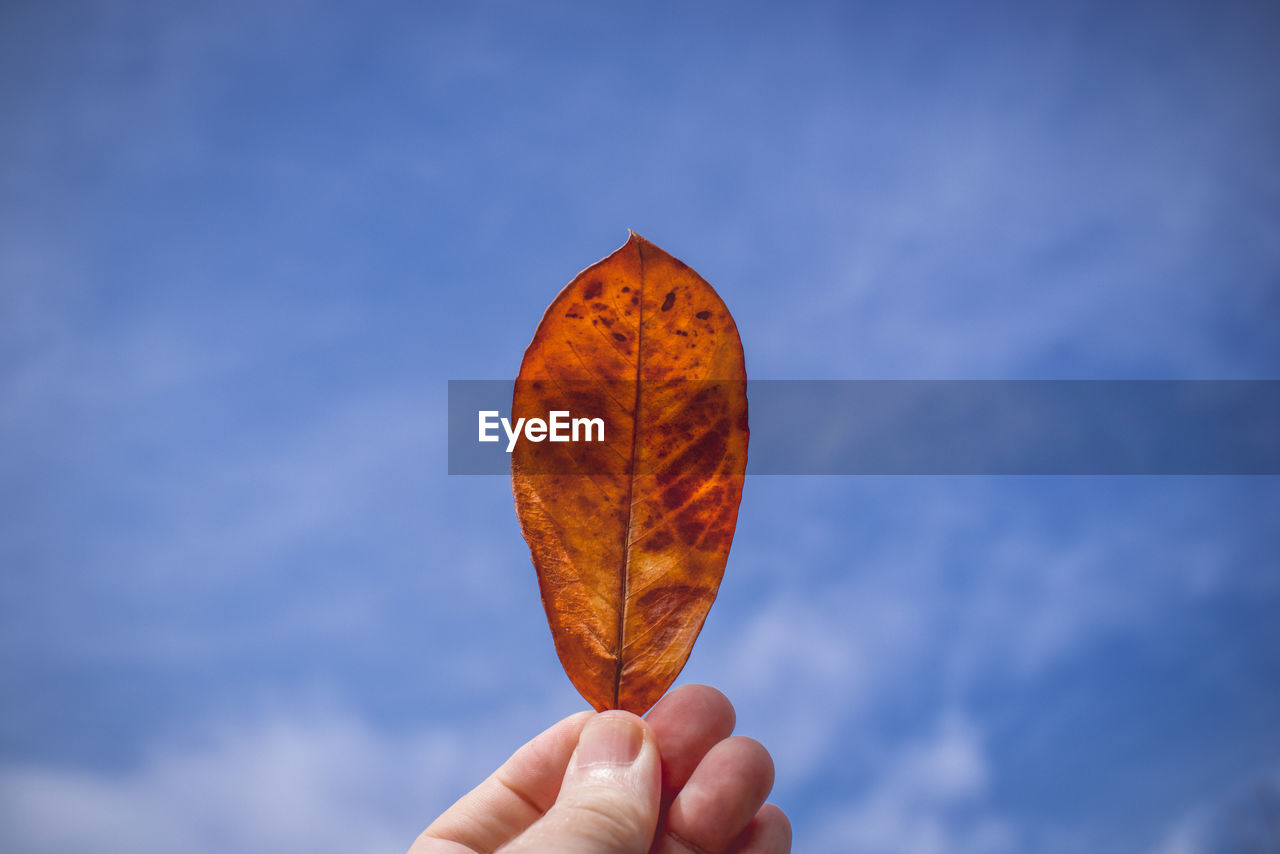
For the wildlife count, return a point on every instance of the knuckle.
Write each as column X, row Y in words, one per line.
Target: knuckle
column 609, row 819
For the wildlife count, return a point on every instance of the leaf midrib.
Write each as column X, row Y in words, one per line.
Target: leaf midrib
column 631, row 482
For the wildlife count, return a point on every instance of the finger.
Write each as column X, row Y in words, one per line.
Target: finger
column 768, row 833
column 511, row 799
column 608, row 803
column 688, row 722
column 722, row 795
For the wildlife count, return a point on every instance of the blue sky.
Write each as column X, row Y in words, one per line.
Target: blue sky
column 244, row 246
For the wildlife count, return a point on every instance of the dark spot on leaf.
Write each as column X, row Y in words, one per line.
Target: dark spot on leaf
column 663, row 607
column 607, row 321
column 678, row 493
column 705, row 506
column 718, row 538
column 657, row 541
column 626, row 290
column 683, row 333
column 669, row 301
column 694, row 522
column 593, row 289
column 703, row 315
column 635, row 301
column 690, row 530
column 573, row 314
column 619, row 336
column 660, row 603
column 704, row 455
column 599, row 306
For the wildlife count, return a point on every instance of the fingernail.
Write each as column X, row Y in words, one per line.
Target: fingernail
column 609, row 739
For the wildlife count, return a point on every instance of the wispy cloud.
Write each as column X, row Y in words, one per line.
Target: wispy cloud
column 1245, row 818
column 327, row 783
column 928, row 798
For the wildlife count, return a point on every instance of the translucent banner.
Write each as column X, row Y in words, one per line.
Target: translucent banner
column 917, row 427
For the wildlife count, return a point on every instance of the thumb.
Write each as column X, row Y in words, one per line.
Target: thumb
column 608, row 801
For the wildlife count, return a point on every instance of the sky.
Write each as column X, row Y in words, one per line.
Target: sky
column 244, row 246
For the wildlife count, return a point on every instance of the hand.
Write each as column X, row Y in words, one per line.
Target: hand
column 611, row 783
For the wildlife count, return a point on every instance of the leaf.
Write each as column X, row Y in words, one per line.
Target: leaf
column 630, row 536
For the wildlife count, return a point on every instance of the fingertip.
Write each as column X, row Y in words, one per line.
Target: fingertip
column 575, row 722
column 760, row 759
column 723, row 795
column 704, row 700
column 769, row 832
column 612, row 737
column 631, row 718
column 773, row 816
column 743, row 759
column 687, row 723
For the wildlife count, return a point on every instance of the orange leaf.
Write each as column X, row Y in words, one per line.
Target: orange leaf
column 630, row 535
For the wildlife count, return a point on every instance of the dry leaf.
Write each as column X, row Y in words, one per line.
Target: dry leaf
column 630, row 536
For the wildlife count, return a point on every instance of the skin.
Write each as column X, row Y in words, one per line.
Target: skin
column 692, row 788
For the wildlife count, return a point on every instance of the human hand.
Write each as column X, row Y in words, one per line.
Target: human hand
column 611, row 783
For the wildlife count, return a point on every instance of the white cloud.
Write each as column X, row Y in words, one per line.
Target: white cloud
column 938, row 597
column 1244, row 818
column 327, row 784
column 840, row 651
column 928, row 799
column 1185, row 837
